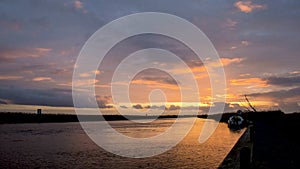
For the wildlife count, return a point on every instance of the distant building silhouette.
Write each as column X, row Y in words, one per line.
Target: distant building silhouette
column 39, row 111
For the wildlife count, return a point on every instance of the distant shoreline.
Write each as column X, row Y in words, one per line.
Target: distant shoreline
column 19, row 117
column 12, row 117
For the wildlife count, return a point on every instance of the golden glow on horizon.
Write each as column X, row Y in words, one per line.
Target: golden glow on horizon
column 249, row 82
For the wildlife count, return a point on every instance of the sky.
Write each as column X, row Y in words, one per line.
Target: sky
column 257, row 41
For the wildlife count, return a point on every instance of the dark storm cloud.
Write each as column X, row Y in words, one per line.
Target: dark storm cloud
column 173, row 107
column 3, row 102
column 47, row 97
column 156, row 107
column 287, row 100
column 124, row 107
column 137, row 106
column 289, row 106
column 228, row 107
column 163, row 42
column 287, row 80
column 139, row 42
column 280, row 94
column 160, row 79
column 102, row 102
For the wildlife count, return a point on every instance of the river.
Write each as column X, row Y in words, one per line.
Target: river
column 66, row 145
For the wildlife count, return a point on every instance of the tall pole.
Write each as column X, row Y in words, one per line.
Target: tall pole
column 250, row 104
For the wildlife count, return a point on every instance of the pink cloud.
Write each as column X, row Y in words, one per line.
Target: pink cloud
column 78, row 5
column 231, row 24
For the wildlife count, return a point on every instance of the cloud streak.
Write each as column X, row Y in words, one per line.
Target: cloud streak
column 248, row 82
column 279, row 94
column 38, row 79
column 9, row 77
column 24, row 53
column 286, row 80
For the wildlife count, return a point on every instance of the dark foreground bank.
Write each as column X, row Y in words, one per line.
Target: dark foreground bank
column 275, row 143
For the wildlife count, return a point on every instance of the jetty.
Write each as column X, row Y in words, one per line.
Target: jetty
column 270, row 142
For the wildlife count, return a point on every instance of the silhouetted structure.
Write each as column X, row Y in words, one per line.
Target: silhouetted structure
column 39, row 112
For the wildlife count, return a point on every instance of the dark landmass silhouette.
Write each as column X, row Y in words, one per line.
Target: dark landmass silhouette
column 275, row 117
column 19, row 117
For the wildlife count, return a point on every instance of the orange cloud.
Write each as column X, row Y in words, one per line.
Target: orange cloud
column 199, row 69
column 220, row 62
column 155, row 84
column 228, row 61
column 201, row 75
column 200, row 72
column 82, row 82
column 90, row 74
column 85, row 75
column 227, row 96
column 37, row 79
column 248, row 6
column 202, row 69
column 98, row 72
column 10, row 77
column 249, row 82
column 35, row 52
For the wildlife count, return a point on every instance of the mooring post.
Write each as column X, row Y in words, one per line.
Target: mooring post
column 252, row 132
column 245, row 158
column 39, row 111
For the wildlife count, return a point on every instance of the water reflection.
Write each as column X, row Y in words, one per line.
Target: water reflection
column 65, row 145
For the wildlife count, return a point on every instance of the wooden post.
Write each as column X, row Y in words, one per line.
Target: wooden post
column 252, row 132
column 245, row 158
column 39, row 112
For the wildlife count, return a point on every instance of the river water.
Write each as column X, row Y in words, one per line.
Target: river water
column 66, row 145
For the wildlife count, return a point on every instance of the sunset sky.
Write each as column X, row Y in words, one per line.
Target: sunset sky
column 257, row 40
